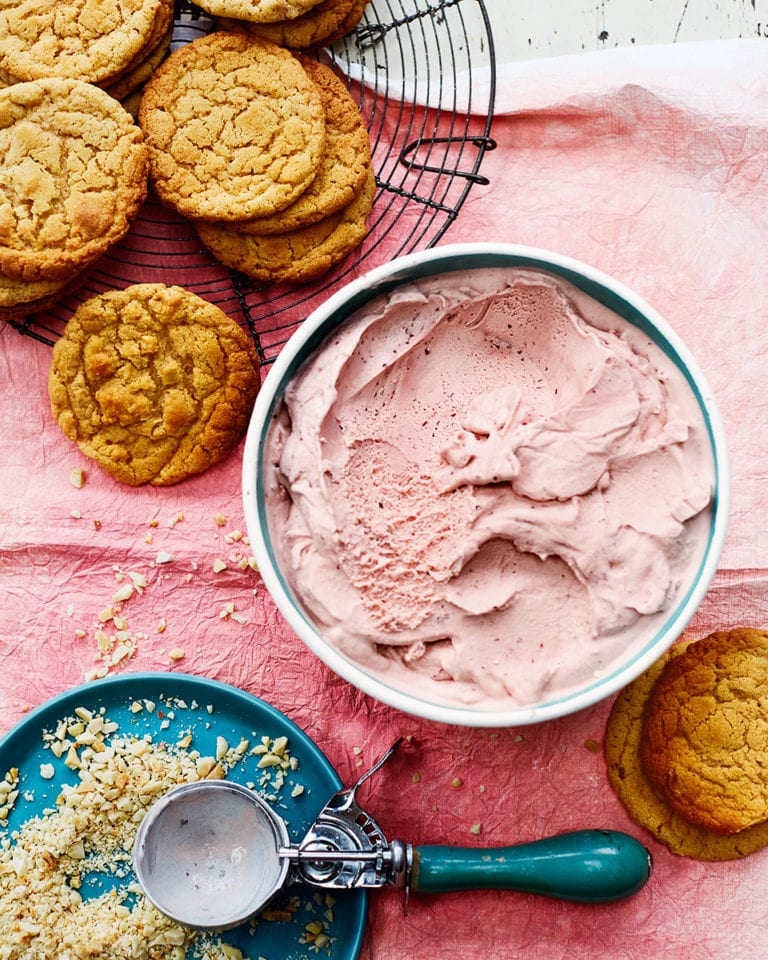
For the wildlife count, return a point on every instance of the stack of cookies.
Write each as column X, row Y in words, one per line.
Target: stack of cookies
column 114, row 44
column 73, row 175
column 297, row 24
column 687, row 746
column 264, row 150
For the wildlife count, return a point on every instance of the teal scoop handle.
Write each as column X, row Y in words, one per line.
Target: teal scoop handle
column 587, row 866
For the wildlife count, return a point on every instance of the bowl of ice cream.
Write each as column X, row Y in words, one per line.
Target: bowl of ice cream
column 486, row 484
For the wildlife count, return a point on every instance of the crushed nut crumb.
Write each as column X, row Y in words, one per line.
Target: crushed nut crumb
column 45, row 861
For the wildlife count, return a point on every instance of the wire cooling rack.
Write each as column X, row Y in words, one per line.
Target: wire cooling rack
column 423, row 75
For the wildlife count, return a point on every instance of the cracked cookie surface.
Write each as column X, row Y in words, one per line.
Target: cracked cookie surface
column 345, row 165
column 73, row 174
column 257, row 10
column 299, row 255
column 85, row 39
column 235, row 128
column 328, row 20
column 645, row 803
column 705, row 736
column 153, row 382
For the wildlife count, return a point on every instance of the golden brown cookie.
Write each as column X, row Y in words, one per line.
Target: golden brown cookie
column 257, row 10
column 329, row 19
column 295, row 257
column 153, row 382
column 623, row 739
column 344, row 167
column 122, row 86
column 235, row 127
column 348, row 24
column 136, row 73
column 705, row 737
column 88, row 40
column 73, row 174
column 21, row 298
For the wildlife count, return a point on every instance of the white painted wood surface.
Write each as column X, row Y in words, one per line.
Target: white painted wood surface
column 527, row 29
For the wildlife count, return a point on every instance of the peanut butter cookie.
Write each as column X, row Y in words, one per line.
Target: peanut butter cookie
column 73, row 174
column 89, row 40
column 235, row 127
column 154, row 50
column 20, row 298
column 705, row 737
column 257, row 10
column 345, row 165
column 632, row 713
column 128, row 82
column 330, row 18
column 300, row 255
column 153, row 382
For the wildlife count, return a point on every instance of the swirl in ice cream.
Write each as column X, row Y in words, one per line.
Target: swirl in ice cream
column 485, row 486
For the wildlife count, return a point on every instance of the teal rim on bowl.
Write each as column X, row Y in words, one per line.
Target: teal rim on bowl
column 449, row 259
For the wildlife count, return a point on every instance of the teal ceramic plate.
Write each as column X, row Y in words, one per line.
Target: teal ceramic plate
column 208, row 709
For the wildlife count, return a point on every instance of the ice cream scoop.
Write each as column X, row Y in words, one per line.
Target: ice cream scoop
column 212, row 854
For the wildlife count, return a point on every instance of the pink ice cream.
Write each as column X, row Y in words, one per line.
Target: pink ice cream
column 486, row 486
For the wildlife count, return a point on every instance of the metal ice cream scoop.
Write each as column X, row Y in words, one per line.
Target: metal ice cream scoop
column 212, row 854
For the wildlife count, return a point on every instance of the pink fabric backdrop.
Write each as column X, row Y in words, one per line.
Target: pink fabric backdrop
column 649, row 164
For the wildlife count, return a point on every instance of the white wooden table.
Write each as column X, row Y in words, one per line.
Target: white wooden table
column 526, row 29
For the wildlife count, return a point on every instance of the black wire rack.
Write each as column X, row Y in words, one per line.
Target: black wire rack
column 423, row 74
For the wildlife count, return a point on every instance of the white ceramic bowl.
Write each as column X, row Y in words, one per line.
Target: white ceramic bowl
column 448, row 259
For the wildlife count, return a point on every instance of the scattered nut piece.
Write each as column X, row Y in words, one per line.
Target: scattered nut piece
column 77, row 478
column 124, row 593
column 176, row 653
column 219, row 566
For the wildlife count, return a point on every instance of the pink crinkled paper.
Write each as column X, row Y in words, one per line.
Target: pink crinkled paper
column 649, row 164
